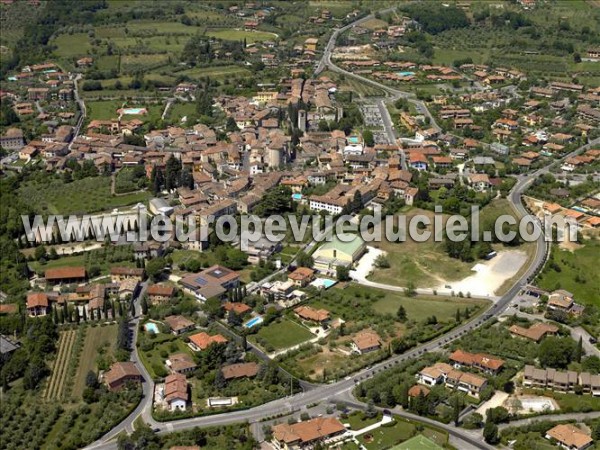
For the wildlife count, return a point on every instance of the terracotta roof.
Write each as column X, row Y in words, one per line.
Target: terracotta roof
column 62, row 273
column 569, row 435
column 308, row 431
column 240, row 370
column 478, row 359
column 203, row 340
column 366, row 340
column 176, row 387
column 10, row 308
column 308, row 313
column 120, row 370
column 236, row 307
column 417, row 389
column 161, row 289
column 534, row 332
column 467, row 378
column 37, row 299
column 301, row 273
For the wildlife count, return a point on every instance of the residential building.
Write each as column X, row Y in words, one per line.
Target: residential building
column 160, row 293
column 118, row 274
column 432, row 375
column 478, row 361
column 121, row 373
column 536, row 332
column 570, row 437
column 562, row 381
column 466, row 382
column 38, row 304
column 302, row 276
column 365, row 342
column 179, row 324
column 305, row 435
column 181, row 363
column 212, row 282
column 65, row 275
column 202, row 341
column 176, row 392
column 314, row 315
column 240, row 370
column 236, row 307
column 12, row 139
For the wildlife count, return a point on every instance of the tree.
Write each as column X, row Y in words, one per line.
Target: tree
column 401, row 314
column 342, row 273
column 556, row 352
column 596, row 432
column 144, row 305
column 91, row 380
column 303, row 259
column 155, row 267
column 498, row 414
column 490, row 433
column 457, row 317
column 220, row 381
column 370, row 412
column 578, row 350
column 368, row 138
column 231, row 125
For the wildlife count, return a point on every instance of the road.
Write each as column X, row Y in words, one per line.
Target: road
column 343, row 387
column 82, row 110
column 551, row 418
column 390, row 132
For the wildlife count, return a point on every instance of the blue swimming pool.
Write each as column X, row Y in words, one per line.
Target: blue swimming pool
column 297, row 196
column 254, row 321
column 405, row 74
column 323, row 283
column 151, row 327
column 353, row 140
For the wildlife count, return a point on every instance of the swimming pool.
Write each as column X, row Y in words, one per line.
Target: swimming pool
column 405, row 74
column 297, row 196
column 254, row 321
column 134, row 111
column 353, row 140
column 323, row 283
column 12, row 78
column 151, row 327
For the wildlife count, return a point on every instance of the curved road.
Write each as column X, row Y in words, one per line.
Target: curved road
column 343, row 387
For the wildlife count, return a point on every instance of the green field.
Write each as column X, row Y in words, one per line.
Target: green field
column 71, row 45
column 283, row 334
column 85, row 196
column 104, row 337
column 575, row 272
column 240, row 35
column 402, row 431
column 217, row 72
column 179, row 110
column 419, row 442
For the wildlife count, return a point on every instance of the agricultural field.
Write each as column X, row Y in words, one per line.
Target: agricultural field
column 216, row 72
column 240, row 35
column 55, row 388
column 99, row 343
column 85, row 196
column 76, row 45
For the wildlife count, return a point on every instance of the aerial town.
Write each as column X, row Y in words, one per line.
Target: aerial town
column 207, row 114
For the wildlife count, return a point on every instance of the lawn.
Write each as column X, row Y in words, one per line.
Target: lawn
column 574, row 271
column 164, row 344
column 107, row 109
column 419, row 442
column 180, row 110
column 102, row 258
column 98, row 339
column 358, row 421
column 386, row 437
column 132, row 63
column 86, row 196
column 283, row 333
column 240, row 35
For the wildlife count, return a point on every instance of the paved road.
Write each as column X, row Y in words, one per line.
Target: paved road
column 82, row 109
column 551, row 418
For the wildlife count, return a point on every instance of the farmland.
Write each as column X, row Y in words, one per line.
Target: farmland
column 84, row 196
column 99, row 342
column 281, row 334
column 56, row 384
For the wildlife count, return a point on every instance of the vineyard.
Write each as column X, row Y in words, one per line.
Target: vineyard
column 69, row 348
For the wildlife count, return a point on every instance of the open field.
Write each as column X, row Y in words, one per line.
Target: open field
column 101, row 258
column 96, row 338
column 240, row 35
column 84, row 196
column 215, row 72
column 574, row 271
column 72, row 45
column 403, row 430
column 282, row 334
